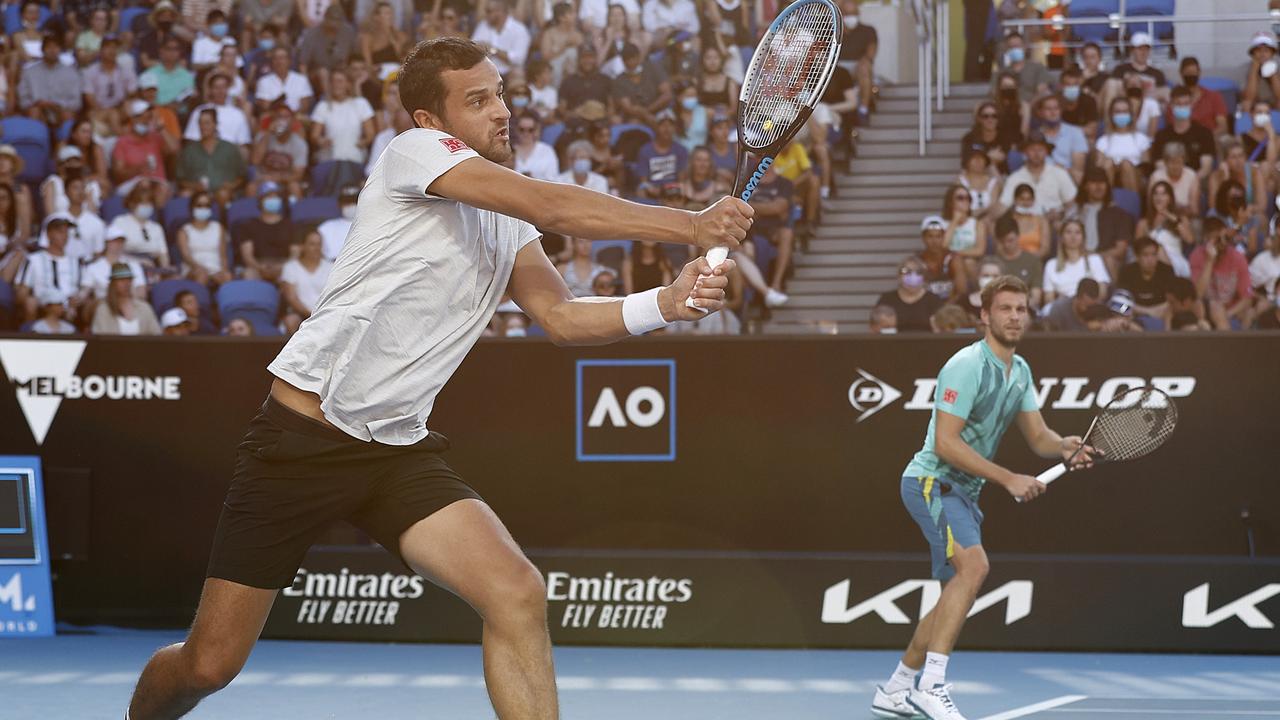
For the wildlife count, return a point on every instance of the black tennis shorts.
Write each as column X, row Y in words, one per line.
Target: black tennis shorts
column 295, row 476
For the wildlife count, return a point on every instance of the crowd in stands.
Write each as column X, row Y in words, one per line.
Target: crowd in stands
column 193, row 168
column 1127, row 200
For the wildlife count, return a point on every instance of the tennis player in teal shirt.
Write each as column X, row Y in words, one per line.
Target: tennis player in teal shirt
column 981, row 390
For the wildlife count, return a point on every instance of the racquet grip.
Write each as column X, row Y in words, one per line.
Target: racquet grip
column 1052, row 473
column 715, row 256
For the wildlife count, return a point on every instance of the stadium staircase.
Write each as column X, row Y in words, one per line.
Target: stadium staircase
column 874, row 220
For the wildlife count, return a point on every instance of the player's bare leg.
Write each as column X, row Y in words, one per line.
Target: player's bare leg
column 957, row 598
column 466, row 549
column 227, row 625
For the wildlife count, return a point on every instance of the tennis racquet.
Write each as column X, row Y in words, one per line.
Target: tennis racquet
column 788, row 74
column 1134, row 424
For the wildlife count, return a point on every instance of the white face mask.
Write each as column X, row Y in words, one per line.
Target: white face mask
column 349, row 212
column 851, row 21
column 1033, row 210
column 1262, row 119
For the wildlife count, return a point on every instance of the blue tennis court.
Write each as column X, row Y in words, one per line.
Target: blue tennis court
column 90, row 675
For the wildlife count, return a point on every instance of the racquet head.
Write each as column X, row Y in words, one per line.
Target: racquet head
column 1135, row 423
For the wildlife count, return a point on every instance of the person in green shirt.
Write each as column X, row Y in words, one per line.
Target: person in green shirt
column 981, row 390
column 211, row 163
column 173, row 81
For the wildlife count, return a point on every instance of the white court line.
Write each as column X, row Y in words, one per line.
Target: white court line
column 114, row 678
column 1029, row 709
column 1143, row 713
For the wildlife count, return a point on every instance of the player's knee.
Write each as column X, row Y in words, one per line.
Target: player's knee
column 211, row 669
column 972, row 564
column 520, row 597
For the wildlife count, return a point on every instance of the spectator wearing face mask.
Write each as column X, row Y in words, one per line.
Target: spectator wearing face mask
column 1250, row 181
column 1208, row 110
column 266, row 242
column 1078, row 107
column 1259, row 141
column 1195, row 138
column 202, row 243
column 1033, row 78
column 579, row 172
column 912, row 302
column 333, row 232
column 280, row 152
column 208, row 45
column 1258, row 77
column 144, row 237
column 1122, row 149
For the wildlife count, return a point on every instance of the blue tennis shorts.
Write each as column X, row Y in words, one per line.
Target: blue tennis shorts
column 946, row 516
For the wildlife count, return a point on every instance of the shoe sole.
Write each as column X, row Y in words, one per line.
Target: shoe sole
column 892, row 714
column 920, row 713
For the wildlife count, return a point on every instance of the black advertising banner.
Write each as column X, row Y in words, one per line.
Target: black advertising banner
column 773, row 600
column 750, row 446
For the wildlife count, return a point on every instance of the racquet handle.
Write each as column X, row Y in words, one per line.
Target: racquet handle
column 1052, row 473
column 715, row 256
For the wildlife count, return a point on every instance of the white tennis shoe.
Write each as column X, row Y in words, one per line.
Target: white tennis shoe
column 775, row 298
column 892, row 705
column 934, row 703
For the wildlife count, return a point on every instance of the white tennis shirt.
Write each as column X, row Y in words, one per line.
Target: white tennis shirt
column 412, row 290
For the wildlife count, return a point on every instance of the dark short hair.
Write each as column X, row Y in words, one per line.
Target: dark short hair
column 215, row 14
column 1179, row 91
column 1004, row 283
column 1006, row 224
column 1073, row 71
column 421, row 77
column 1182, row 289
column 177, row 299
column 630, row 50
column 52, row 38
column 1212, row 225
column 1143, row 243
column 210, row 112
column 1089, row 288
column 1093, row 45
column 1012, row 35
column 1189, row 61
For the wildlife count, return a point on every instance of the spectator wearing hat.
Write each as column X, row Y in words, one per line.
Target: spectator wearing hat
column 302, row 280
column 107, row 84
column 121, row 312
column 944, row 272
column 1073, row 313
column 326, row 47
column 266, row 242
column 148, row 90
column 1078, row 107
column 280, row 152
column 96, row 275
column 506, row 39
column 70, row 164
column 587, row 84
column 662, row 160
column 1197, row 140
column 333, row 232
column 1014, row 260
column 138, row 158
column 579, row 173
column 174, row 321
column 982, row 181
column 233, row 125
column 1123, row 148
column 51, row 270
column 144, row 237
column 50, row 91
column 211, row 164
column 641, row 91
column 164, row 28
column 1139, row 62
column 1070, row 147
column 283, row 82
column 1053, row 186
column 1033, row 78
column 1120, row 315
column 52, row 314
column 11, row 166
column 911, row 301
column 1258, row 77
column 1208, row 109
column 202, row 243
column 173, row 81
column 87, row 230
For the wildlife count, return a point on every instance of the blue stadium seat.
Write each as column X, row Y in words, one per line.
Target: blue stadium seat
column 176, row 213
column 254, row 300
column 1244, row 121
column 328, row 177
column 35, row 160
column 128, row 16
column 6, row 295
column 242, row 209
column 618, row 131
column 163, row 294
column 23, row 129
column 314, row 209
column 1128, row 201
column 1094, row 9
column 552, row 133
column 1163, row 30
column 64, row 130
column 112, row 205
column 13, row 17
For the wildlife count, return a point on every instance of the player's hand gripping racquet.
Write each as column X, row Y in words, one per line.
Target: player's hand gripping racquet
column 788, row 75
column 1135, row 423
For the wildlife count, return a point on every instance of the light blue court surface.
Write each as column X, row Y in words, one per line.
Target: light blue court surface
column 90, row 675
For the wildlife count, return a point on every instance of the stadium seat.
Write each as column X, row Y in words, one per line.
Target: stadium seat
column 17, row 129
column 610, row 253
column 164, row 292
column 1226, row 87
column 628, row 138
column 1128, row 201
column 6, row 295
column 328, row 177
column 1163, row 30
column 64, row 130
column 13, row 18
column 254, row 300
column 35, row 160
column 176, row 213
column 1094, row 9
column 1244, row 121
column 129, row 15
column 552, row 133
column 112, row 206
column 242, row 209
column 314, row 209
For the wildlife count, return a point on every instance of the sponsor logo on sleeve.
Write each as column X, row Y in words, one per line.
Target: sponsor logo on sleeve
column 453, row 145
column 950, row 396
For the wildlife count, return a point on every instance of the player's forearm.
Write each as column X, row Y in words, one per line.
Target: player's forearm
column 579, row 212
column 957, row 453
column 594, row 320
column 1048, row 444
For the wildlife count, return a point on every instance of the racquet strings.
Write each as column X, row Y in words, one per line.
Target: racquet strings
column 788, row 71
column 1128, row 429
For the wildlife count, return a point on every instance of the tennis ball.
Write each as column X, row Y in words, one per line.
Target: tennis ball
column 768, row 124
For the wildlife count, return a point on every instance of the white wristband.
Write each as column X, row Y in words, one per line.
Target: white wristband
column 641, row 314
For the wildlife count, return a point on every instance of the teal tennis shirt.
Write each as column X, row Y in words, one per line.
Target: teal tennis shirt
column 973, row 386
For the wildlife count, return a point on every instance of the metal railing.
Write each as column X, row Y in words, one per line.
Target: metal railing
column 1121, row 23
column 933, row 81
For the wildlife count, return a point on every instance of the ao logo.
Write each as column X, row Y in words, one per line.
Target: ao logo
column 626, row 410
